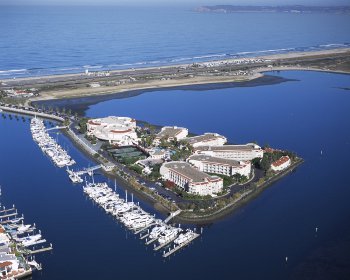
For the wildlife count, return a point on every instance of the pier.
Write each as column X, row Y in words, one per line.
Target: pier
column 151, row 241
column 43, row 249
column 88, row 170
column 10, row 221
column 8, row 215
column 144, row 228
column 7, row 210
column 56, row 127
column 144, row 236
column 172, row 215
column 164, row 244
column 176, row 248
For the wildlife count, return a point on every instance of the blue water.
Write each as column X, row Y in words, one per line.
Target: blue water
column 51, row 40
column 306, row 116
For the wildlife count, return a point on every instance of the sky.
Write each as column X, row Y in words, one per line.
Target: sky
column 194, row 3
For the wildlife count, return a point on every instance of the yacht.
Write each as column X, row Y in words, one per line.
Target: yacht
column 75, row 178
column 156, row 231
column 168, row 235
column 184, row 237
column 23, row 228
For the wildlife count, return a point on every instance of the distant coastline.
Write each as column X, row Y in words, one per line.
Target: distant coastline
column 236, row 71
column 274, row 9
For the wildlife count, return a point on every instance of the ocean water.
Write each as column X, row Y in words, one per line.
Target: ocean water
column 54, row 40
column 308, row 114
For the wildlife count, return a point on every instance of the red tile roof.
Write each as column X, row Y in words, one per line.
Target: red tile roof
column 5, row 264
column 281, row 161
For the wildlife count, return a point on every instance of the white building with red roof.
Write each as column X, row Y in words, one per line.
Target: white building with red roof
column 116, row 130
column 281, row 164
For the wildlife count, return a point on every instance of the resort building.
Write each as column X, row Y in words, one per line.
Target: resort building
column 235, row 152
column 158, row 154
column 117, row 130
column 281, row 164
column 191, row 179
column 207, row 139
column 228, row 167
column 169, row 133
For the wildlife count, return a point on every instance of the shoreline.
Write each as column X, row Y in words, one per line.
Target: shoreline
column 67, row 86
column 221, row 214
column 151, row 201
column 81, row 104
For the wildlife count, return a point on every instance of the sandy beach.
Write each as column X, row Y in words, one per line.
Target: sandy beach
column 218, row 71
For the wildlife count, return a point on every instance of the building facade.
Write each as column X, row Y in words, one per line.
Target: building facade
column 117, row 130
column 235, row 152
column 191, row 179
column 222, row 166
column 281, row 164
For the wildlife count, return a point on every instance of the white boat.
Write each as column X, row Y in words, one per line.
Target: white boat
column 23, row 228
column 75, row 178
column 168, row 235
column 48, row 145
column 35, row 265
column 156, row 231
column 17, row 220
column 183, row 237
column 29, row 240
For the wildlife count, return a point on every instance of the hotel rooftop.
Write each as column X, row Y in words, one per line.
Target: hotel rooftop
column 214, row 160
column 172, row 132
column 207, row 137
column 186, row 170
column 246, row 147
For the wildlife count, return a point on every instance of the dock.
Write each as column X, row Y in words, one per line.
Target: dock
column 41, row 250
column 56, row 127
column 172, row 215
column 164, row 244
column 88, row 170
column 6, row 221
column 151, row 241
column 8, row 215
column 176, row 248
column 144, row 228
column 37, row 242
column 144, row 236
column 7, row 210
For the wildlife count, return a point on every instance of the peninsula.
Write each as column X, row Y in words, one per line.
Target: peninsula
column 165, row 165
column 273, row 9
column 212, row 72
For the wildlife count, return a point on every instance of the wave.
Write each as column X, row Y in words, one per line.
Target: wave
column 93, row 66
column 210, row 56
column 165, row 61
column 13, row 71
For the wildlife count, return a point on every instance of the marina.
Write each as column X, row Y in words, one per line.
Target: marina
column 75, row 176
column 181, row 245
column 18, row 243
column 134, row 218
column 249, row 76
column 48, row 145
column 73, row 222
